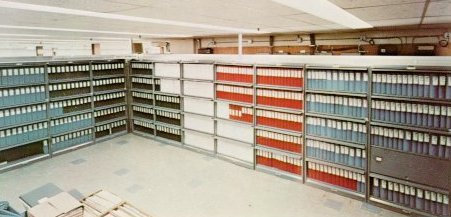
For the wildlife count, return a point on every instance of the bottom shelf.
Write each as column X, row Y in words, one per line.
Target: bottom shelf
column 9, row 165
column 404, row 209
column 334, row 188
column 277, row 172
column 24, row 152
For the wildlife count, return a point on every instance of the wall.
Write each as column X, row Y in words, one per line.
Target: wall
column 404, row 40
column 27, row 47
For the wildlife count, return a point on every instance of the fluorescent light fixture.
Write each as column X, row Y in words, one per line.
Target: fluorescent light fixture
column 94, row 31
column 326, row 10
column 60, row 10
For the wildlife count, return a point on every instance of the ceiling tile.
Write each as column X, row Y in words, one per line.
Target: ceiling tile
column 439, row 8
column 346, row 4
column 434, row 20
column 388, row 12
column 395, row 22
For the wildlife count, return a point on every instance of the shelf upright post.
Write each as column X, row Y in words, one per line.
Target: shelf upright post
column 47, row 103
column 254, row 109
column 154, row 116
column 128, row 98
column 91, row 81
column 215, row 113
column 304, row 126
column 368, row 134
column 182, row 93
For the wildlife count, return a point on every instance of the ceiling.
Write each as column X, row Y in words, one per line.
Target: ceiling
column 265, row 15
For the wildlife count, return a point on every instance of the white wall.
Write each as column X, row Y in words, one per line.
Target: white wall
column 22, row 48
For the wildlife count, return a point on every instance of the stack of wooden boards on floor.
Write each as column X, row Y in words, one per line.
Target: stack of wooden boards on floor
column 60, row 205
column 104, row 203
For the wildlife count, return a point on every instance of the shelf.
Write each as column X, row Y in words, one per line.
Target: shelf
column 109, row 76
column 410, row 127
column 235, row 140
column 178, row 111
column 411, row 153
column 111, row 136
column 109, row 91
column 58, row 81
column 207, row 152
column 71, row 114
column 236, row 121
column 242, row 84
column 168, row 141
column 109, row 106
column 235, row 161
column 23, row 105
column 166, row 78
column 336, row 117
column 334, row 188
column 110, row 121
column 71, row 131
column 142, row 105
column 279, row 173
column 4, row 127
column 275, row 87
column 143, row 120
column 143, row 134
column 197, row 80
column 399, row 181
column 279, row 130
column 351, row 94
column 176, row 127
column 336, row 165
column 141, row 76
column 279, row 151
column 22, row 85
column 21, row 162
column 198, row 131
column 279, row 109
column 70, row 97
column 336, row 67
column 166, row 94
column 191, row 113
column 404, row 209
column 337, row 142
column 142, row 90
column 413, row 99
column 245, row 104
column 282, row 65
column 75, row 147
column 22, row 144
column 198, row 97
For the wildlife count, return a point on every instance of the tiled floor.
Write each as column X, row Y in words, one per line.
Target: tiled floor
column 167, row 181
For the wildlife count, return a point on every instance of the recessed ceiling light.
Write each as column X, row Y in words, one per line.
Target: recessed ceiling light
column 60, row 10
column 328, row 11
column 94, row 31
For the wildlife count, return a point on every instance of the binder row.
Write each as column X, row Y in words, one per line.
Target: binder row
column 144, row 110
column 68, row 86
column 241, row 113
column 412, row 197
column 421, row 86
column 341, row 130
column 279, row 98
column 144, row 124
column 415, row 114
column 23, row 114
column 110, row 126
column 168, row 114
column 142, row 95
column 340, row 154
column 280, row 120
column 279, row 141
column 169, row 133
column 337, row 105
column 170, row 99
column 58, row 108
column 22, row 95
column 109, row 111
column 337, row 80
column 280, row 77
column 21, row 76
column 281, row 162
column 142, row 66
column 71, row 68
column 70, row 123
column 109, row 96
column 71, row 139
column 235, row 93
column 109, row 81
column 143, row 80
column 412, row 142
column 157, row 85
column 235, row 73
column 337, row 177
column 23, row 134
column 107, row 66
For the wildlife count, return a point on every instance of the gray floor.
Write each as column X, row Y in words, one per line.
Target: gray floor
column 167, row 181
